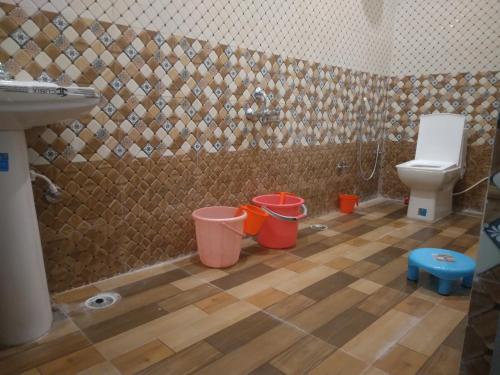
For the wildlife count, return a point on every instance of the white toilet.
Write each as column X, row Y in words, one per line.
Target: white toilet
column 439, row 163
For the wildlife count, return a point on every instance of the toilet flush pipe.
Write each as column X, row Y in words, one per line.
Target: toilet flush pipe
column 471, row 187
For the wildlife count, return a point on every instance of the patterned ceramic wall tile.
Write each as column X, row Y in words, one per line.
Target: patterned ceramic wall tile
column 353, row 34
column 452, row 36
column 165, row 95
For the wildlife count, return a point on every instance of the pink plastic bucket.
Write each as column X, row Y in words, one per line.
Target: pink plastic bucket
column 218, row 235
column 280, row 229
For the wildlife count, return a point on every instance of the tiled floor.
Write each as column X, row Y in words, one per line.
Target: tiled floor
column 338, row 303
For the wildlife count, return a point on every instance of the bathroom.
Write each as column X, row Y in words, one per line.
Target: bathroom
column 193, row 104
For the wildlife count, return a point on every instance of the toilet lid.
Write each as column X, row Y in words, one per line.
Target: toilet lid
column 440, row 137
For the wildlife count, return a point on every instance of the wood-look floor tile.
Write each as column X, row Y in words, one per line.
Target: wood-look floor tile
column 357, row 241
column 188, row 283
column 142, row 357
column 340, row 263
column 131, row 277
column 377, row 233
column 360, row 230
column 407, row 231
column 76, row 295
column 300, row 266
column 261, row 283
column 327, row 309
column 134, row 338
column 283, row 260
column 462, row 243
column 72, row 363
column 426, row 336
column 414, row 306
column 37, row 355
column 242, row 276
column 381, row 301
column 389, row 240
column 256, row 352
column 151, row 282
column 84, row 317
column 340, row 363
column 266, row 369
column 365, row 286
column 438, row 241
column 112, row 327
column 445, row 361
column 389, row 271
column 310, row 249
column 266, row 298
column 33, row 371
column 374, row 371
column 290, row 306
column 216, row 302
column 328, row 285
column 401, row 361
column 238, row 334
column 330, row 253
column 404, row 285
column 181, row 337
column 386, row 255
column 302, row 356
column 363, row 252
column 305, row 279
column 186, row 362
column 455, row 339
column 104, row 368
column 360, row 269
column 424, row 234
column 407, row 244
column 337, row 239
column 374, row 341
column 345, row 326
column 188, row 297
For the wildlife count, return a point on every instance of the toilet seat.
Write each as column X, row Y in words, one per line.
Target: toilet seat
column 428, row 165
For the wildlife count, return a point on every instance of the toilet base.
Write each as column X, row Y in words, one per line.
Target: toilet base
column 429, row 206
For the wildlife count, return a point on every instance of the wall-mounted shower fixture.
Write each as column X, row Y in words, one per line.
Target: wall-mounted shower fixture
column 53, row 192
column 262, row 113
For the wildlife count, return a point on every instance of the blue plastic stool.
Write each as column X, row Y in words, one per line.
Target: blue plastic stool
column 446, row 265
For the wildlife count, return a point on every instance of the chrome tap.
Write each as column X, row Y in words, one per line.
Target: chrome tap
column 4, row 74
column 261, row 114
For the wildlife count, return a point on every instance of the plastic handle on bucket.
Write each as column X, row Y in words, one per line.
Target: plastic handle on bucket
column 232, row 229
column 287, row 218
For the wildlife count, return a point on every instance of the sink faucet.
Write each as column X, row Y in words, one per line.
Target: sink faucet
column 3, row 73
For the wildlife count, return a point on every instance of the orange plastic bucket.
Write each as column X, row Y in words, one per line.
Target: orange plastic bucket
column 280, row 229
column 347, row 203
column 256, row 218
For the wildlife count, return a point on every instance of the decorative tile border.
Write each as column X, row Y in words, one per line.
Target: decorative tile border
column 165, row 95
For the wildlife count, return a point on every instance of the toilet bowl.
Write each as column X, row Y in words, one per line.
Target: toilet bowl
column 439, row 163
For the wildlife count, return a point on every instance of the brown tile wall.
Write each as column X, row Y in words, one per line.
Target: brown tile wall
column 121, row 214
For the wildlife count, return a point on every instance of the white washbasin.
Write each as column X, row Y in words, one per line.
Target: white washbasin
column 26, row 104
column 27, row 313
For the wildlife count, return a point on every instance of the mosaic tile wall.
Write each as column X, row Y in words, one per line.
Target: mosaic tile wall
column 460, row 36
column 475, row 95
column 159, row 144
column 170, row 134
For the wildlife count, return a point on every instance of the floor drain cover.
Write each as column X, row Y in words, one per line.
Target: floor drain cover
column 102, row 300
column 319, row 227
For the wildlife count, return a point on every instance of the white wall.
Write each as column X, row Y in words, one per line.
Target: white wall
column 348, row 33
column 445, row 36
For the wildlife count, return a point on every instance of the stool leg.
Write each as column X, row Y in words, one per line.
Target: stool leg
column 412, row 273
column 445, row 286
column 467, row 281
